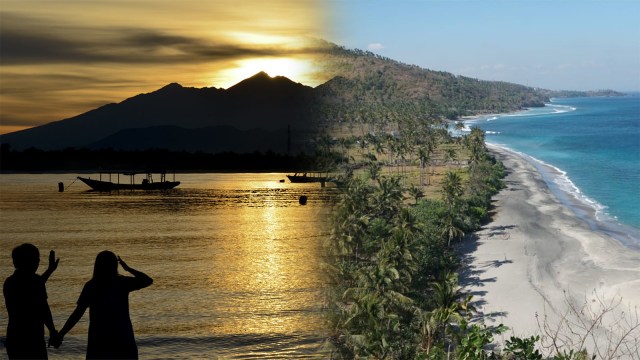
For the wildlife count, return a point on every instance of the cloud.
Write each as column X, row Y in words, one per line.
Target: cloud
column 26, row 41
column 69, row 57
column 375, row 47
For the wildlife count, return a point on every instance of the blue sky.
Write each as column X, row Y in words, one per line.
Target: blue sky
column 562, row 44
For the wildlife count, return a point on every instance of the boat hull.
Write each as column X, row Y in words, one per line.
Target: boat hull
column 306, row 179
column 98, row 185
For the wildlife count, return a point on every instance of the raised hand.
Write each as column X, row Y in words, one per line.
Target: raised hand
column 144, row 279
column 124, row 264
column 53, row 265
column 53, row 262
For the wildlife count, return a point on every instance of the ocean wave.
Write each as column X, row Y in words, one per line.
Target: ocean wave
column 564, row 183
column 570, row 195
column 467, row 128
column 560, row 179
column 550, row 110
column 561, row 109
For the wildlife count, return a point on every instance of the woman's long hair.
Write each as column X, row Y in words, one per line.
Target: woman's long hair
column 106, row 266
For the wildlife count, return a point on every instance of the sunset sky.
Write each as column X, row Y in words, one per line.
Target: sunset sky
column 62, row 58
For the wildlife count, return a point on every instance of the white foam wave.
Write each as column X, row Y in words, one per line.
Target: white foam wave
column 551, row 109
column 564, row 184
column 493, row 132
column 561, row 109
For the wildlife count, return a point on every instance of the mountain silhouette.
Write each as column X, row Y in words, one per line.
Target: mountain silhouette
column 260, row 110
column 255, row 113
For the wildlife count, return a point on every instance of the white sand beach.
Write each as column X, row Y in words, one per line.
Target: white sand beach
column 536, row 254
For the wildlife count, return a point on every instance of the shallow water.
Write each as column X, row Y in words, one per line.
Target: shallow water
column 588, row 150
column 234, row 258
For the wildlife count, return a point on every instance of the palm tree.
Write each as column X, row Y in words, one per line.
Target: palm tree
column 424, row 155
column 475, row 144
column 373, row 168
column 450, row 155
column 449, row 302
column 416, row 193
column 450, row 229
column 452, row 190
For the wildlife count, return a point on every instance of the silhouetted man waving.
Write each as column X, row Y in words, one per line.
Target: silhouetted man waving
column 25, row 296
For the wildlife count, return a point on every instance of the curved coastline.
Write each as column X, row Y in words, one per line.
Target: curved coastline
column 589, row 210
column 537, row 253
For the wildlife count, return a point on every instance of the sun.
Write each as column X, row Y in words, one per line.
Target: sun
column 298, row 70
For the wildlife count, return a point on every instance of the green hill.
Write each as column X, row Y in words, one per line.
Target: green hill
column 366, row 80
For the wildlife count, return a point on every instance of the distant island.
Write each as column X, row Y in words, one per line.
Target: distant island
column 573, row 93
column 263, row 114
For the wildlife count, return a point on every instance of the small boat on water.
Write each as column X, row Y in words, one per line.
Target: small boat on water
column 147, row 182
column 309, row 177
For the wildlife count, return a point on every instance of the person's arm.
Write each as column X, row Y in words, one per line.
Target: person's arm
column 75, row 316
column 48, row 320
column 144, row 280
column 53, row 265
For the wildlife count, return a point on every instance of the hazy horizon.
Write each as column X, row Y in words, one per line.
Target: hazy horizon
column 556, row 45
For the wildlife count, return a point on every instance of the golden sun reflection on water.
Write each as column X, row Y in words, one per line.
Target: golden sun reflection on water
column 234, row 258
column 267, row 281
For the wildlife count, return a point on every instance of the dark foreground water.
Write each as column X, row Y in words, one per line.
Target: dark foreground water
column 234, row 257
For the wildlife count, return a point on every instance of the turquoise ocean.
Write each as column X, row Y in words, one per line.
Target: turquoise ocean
column 588, row 152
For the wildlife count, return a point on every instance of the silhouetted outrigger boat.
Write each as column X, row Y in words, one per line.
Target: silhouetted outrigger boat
column 147, row 182
column 309, row 177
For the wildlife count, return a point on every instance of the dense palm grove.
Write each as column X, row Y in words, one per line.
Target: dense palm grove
column 392, row 266
column 391, row 260
column 409, row 194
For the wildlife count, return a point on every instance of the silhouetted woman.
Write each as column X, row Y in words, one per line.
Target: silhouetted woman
column 107, row 297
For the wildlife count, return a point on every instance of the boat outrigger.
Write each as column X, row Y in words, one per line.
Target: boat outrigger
column 309, row 177
column 146, row 184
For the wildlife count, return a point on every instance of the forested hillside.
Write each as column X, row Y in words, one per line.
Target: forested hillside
column 369, row 83
column 409, row 194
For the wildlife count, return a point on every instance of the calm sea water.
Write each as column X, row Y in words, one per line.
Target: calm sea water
column 588, row 150
column 234, row 257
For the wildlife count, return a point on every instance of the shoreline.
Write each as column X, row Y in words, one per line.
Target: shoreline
column 536, row 255
column 587, row 209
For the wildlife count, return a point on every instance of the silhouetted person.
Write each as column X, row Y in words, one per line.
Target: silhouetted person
column 25, row 296
column 107, row 297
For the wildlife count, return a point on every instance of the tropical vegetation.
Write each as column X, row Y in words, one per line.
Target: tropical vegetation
column 409, row 194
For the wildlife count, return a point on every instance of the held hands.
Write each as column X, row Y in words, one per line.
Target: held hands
column 55, row 339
